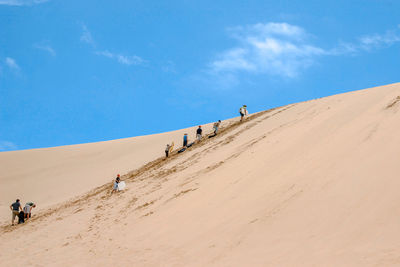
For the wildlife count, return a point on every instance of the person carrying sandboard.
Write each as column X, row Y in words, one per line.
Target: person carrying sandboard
column 168, row 149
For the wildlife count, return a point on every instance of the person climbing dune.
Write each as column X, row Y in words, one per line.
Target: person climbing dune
column 199, row 131
column 167, row 148
column 185, row 140
column 15, row 209
column 216, row 126
column 28, row 210
column 117, row 181
column 243, row 112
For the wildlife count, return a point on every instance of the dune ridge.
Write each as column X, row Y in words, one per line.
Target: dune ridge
column 312, row 183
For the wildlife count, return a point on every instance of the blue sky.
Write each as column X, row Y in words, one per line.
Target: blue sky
column 86, row 71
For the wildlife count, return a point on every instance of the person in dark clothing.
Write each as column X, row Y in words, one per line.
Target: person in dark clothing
column 198, row 133
column 167, row 150
column 15, row 208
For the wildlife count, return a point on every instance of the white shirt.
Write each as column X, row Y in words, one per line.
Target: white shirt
column 27, row 209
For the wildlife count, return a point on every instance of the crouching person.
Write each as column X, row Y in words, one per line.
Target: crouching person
column 28, row 210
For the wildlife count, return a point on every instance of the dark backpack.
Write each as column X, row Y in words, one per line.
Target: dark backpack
column 21, row 217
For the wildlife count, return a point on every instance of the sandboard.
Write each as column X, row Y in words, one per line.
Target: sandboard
column 121, row 185
column 171, row 147
column 191, row 144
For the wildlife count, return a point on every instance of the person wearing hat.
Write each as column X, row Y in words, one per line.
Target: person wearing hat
column 243, row 112
column 15, row 208
column 115, row 187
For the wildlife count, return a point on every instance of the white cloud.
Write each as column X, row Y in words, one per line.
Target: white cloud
column 268, row 29
column 273, row 48
column 368, row 42
column 6, row 145
column 282, row 49
column 86, row 36
column 46, row 47
column 11, row 63
column 343, row 48
column 126, row 60
column 21, row 2
column 234, row 59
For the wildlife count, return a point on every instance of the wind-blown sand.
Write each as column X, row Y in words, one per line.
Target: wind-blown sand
column 309, row 184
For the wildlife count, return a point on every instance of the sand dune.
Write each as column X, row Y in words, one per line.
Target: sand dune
column 51, row 175
column 309, row 184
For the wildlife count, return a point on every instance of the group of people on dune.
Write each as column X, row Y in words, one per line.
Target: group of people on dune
column 23, row 214
column 168, row 149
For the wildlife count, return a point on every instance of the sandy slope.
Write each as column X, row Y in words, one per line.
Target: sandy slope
column 51, row 175
column 309, row 184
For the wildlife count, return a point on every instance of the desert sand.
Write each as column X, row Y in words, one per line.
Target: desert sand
column 309, row 184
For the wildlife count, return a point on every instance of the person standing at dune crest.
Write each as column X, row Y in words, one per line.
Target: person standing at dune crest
column 15, row 208
column 243, row 112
